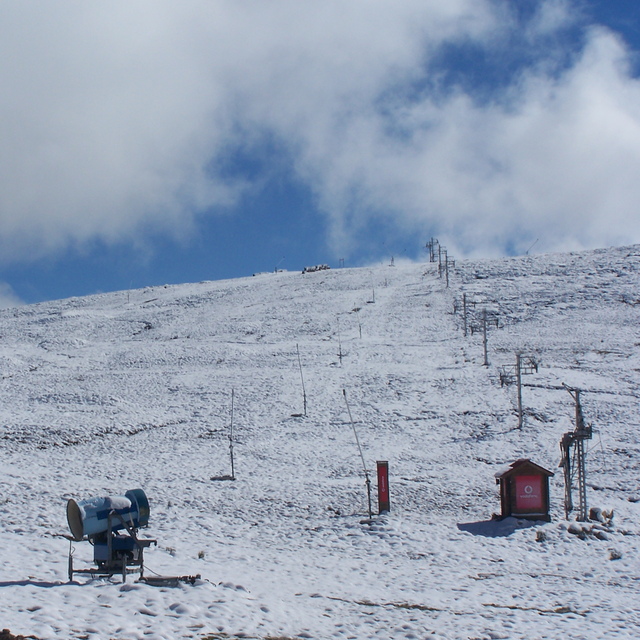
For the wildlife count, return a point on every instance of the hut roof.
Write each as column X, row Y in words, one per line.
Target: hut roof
column 520, row 465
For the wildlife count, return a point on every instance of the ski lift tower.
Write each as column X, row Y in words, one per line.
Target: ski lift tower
column 431, row 246
column 575, row 466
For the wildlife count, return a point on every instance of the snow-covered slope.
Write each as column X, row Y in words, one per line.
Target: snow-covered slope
column 108, row 393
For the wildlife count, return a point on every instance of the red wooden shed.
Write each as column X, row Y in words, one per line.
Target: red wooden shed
column 524, row 490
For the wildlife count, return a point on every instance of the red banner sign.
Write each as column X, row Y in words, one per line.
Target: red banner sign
column 383, row 487
column 529, row 494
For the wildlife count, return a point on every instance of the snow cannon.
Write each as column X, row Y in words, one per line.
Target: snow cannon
column 101, row 521
column 98, row 515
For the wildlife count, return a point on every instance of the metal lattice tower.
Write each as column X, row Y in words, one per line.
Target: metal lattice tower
column 431, row 245
column 577, row 466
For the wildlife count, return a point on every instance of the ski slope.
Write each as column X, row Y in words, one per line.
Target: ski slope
column 132, row 389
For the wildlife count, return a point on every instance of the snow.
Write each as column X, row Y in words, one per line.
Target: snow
column 113, row 392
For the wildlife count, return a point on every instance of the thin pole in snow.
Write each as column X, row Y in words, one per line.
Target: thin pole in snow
column 446, row 267
column 464, row 312
column 519, row 384
column 484, row 337
column 531, row 247
column 304, row 393
column 364, row 466
column 233, row 476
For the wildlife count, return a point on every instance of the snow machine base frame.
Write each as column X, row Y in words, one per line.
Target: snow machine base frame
column 115, row 553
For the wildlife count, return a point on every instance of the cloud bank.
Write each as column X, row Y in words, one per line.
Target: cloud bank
column 462, row 119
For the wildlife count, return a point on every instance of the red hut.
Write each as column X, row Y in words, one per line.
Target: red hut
column 524, row 491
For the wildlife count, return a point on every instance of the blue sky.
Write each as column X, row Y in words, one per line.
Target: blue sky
column 156, row 142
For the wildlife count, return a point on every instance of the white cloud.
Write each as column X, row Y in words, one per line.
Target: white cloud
column 555, row 159
column 8, row 297
column 552, row 16
column 116, row 116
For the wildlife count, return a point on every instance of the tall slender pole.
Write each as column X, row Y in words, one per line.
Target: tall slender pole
column 364, row 466
column 484, row 337
column 446, row 267
column 464, row 312
column 233, row 475
column 582, row 481
column 565, row 447
column 519, row 381
column 304, row 393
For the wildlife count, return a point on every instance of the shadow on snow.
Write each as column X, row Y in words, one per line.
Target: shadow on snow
column 497, row 528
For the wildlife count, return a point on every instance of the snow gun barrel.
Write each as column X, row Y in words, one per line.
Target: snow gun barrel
column 90, row 517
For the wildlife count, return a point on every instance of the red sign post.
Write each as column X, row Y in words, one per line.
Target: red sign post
column 384, row 504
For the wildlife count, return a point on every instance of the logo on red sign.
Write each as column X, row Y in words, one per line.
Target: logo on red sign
column 529, row 496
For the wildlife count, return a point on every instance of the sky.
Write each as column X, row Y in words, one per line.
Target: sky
column 154, row 142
